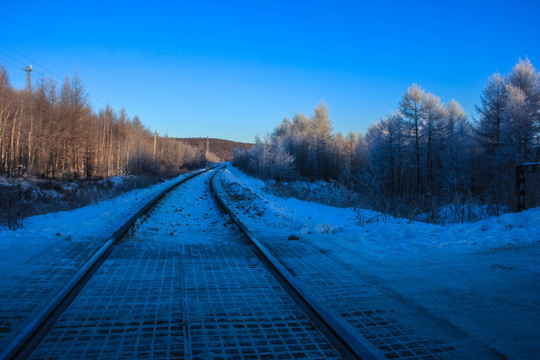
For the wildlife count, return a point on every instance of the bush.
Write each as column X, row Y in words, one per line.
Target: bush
column 37, row 197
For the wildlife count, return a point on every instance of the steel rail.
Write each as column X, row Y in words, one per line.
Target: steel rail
column 16, row 346
column 358, row 347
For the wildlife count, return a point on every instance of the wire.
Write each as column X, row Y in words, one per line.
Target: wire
column 9, row 62
column 92, row 99
column 11, row 57
column 32, row 61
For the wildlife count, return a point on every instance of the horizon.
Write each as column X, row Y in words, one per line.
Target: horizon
column 234, row 72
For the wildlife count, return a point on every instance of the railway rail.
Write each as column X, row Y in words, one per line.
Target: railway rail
column 376, row 316
column 357, row 347
column 185, row 285
column 32, row 329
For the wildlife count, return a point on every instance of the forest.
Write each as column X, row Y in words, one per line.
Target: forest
column 423, row 156
column 219, row 149
column 52, row 132
column 57, row 153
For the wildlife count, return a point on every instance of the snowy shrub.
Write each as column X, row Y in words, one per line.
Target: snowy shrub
column 327, row 193
column 20, row 199
column 363, row 218
column 12, row 206
column 461, row 213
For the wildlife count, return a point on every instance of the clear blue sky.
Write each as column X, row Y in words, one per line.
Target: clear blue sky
column 234, row 69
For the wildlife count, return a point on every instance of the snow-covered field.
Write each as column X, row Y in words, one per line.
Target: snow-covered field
column 482, row 277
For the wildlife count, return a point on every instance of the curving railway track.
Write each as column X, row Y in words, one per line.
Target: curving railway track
column 180, row 281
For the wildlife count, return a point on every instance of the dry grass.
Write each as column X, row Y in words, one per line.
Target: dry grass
column 21, row 199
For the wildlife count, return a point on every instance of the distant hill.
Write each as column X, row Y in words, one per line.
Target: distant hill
column 222, row 149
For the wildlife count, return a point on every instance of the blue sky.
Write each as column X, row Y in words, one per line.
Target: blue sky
column 234, row 69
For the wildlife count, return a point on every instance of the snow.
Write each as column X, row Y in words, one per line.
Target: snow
column 482, row 277
column 98, row 221
column 514, row 229
column 184, row 282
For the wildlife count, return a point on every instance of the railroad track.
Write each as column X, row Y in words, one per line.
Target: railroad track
column 19, row 346
column 377, row 319
column 356, row 346
column 183, row 282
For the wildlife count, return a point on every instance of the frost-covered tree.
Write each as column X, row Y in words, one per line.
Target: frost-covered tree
column 433, row 113
column 319, row 140
column 260, row 158
column 489, row 131
column 281, row 131
column 360, row 159
column 298, row 147
column 522, row 110
column 427, row 152
column 387, row 151
column 410, row 109
column 519, row 127
column 349, row 154
column 507, row 129
column 457, row 142
column 298, row 141
column 489, row 126
column 282, row 165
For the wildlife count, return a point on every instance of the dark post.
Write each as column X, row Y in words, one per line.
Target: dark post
column 520, row 187
column 28, row 70
column 521, row 170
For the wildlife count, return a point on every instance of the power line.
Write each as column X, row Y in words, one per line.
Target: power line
column 37, row 78
column 11, row 57
column 32, row 61
column 92, row 98
column 11, row 63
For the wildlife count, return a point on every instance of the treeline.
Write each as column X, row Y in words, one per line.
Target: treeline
column 219, row 149
column 426, row 154
column 53, row 132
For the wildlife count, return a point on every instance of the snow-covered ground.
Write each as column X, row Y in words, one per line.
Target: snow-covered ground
column 98, row 221
column 483, row 277
column 184, row 283
column 25, row 197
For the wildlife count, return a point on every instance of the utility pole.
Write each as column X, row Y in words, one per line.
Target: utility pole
column 207, row 147
column 155, row 143
column 521, row 170
column 28, row 70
